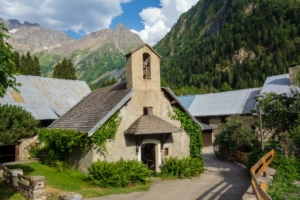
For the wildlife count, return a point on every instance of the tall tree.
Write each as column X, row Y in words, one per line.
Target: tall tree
column 7, row 66
column 29, row 65
column 65, row 70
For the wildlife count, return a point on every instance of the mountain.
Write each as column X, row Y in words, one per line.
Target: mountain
column 97, row 56
column 231, row 44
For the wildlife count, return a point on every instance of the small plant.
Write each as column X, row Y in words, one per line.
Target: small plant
column 287, row 145
column 181, row 168
column 118, row 174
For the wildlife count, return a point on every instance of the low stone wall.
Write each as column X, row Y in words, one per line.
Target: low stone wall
column 34, row 187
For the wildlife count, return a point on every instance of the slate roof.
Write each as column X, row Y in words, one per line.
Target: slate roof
column 170, row 93
column 151, row 124
column 95, row 109
column 224, row 103
column 279, row 84
column 46, row 98
column 186, row 101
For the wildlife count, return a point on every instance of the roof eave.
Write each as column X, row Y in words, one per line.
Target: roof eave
column 110, row 113
column 174, row 96
column 142, row 47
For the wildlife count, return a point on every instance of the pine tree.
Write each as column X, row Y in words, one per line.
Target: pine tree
column 65, row 70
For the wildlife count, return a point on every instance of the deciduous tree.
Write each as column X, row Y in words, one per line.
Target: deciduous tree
column 7, row 66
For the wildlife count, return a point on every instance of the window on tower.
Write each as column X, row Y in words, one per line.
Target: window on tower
column 146, row 66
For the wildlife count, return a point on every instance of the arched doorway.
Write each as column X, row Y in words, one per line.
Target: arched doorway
column 148, row 155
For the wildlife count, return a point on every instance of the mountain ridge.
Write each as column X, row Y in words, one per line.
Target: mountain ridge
column 93, row 55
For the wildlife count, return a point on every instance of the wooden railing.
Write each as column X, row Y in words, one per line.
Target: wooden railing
column 240, row 157
column 261, row 167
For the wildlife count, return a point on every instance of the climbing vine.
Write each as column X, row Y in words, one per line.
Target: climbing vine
column 60, row 142
column 107, row 131
column 192, row 129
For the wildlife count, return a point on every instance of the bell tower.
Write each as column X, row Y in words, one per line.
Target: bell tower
column 143, row 69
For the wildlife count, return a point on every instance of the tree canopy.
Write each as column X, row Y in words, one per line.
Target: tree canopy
column 15, row 124
column 281, row 113
column 237, row 42
column 7, row 66
column 26, row 64
column 65, row 70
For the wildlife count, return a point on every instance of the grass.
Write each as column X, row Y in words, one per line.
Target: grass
column 62, row 182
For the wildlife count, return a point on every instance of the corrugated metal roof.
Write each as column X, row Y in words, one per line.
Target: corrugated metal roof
column 186, row 101
column 47, row 98
column 278, row 84
column 224, row 103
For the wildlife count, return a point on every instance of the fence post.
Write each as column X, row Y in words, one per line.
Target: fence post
column 264, row 166
column 14, row 177
column 37, row 188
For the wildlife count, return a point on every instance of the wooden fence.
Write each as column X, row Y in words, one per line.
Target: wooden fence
column 240, row 157
column 256, row 170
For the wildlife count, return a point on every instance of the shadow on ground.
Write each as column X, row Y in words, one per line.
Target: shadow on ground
column 231, row 180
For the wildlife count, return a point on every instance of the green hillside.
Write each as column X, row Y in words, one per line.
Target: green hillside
column 93, row 64
column 236, row 43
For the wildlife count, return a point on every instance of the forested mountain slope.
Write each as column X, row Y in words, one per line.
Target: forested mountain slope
column 231, row 42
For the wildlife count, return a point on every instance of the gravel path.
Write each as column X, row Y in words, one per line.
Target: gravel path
column 220, row 180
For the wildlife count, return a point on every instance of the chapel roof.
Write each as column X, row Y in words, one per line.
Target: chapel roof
column 95, row 109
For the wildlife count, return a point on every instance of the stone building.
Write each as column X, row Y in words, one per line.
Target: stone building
column 146, row 131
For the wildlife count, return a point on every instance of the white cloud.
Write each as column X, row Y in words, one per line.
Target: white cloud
column 158, row 21
column 89, row 15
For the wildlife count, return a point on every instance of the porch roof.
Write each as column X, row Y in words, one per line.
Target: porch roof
column 151, row 124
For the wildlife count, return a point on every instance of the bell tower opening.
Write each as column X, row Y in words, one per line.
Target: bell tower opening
column 146, row 66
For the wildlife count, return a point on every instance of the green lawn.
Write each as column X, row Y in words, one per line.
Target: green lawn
column 61, row 182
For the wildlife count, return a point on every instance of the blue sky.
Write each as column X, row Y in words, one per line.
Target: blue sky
column 130, row 16
column 150, row 19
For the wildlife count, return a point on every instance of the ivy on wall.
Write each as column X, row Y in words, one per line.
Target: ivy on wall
column 192, row 129
column 60, row 142
column 107, row 131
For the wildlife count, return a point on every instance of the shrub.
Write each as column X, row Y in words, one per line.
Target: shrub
column 182, row 168
column 118, row 174
column 282, row 186
column 15, row 124
column 237, row 130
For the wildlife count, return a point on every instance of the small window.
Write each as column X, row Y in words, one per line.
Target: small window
column 148, row 110
column 166, row 151
column 146, row 66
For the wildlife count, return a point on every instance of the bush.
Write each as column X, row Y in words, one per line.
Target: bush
column 15, row 124
column 288, row 170
column 182, row 168
column 236, row 131
column 288, row 165
column 118, row 174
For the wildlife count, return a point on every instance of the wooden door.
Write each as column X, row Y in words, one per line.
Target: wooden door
column 207, row 139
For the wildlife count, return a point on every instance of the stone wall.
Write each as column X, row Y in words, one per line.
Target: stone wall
column 34, row 187
column 25, row 146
